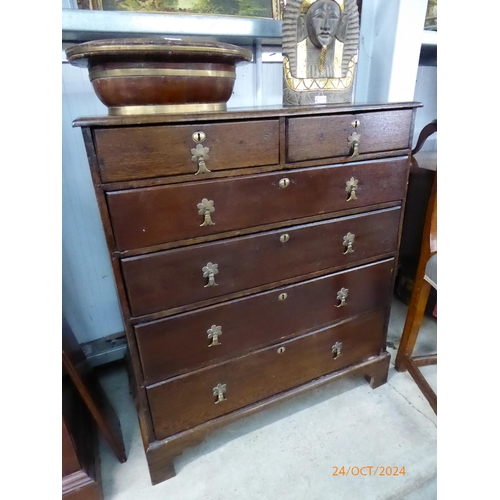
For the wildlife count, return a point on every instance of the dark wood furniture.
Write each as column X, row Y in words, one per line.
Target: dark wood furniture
column 422, row 172
column 254, row 255
column 86, row 408
column 425, row 279
column 81, row 471
column 84, row 379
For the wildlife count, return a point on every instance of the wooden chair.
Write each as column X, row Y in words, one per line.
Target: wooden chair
column 426, row 277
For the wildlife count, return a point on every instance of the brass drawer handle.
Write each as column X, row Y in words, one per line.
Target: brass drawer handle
column 285, row 182
column 349, row 242
column 206, row 208
column 351, row 186
column 200, row 156
column 353, row 141
column 282, row 296
column 280, row 350
column 209, row 271
column 337, row 350
column 219, row 390
column 213, row 334
column 342, row 295
column 284, row 238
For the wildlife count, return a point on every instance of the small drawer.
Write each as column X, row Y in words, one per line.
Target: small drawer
column 185, row 276
column 316, row 137
column 143, row 152
column 151, row 216
column 189, row 400
column 210, row 335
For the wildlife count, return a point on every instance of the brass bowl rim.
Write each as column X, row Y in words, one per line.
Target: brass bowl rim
column 81, row 54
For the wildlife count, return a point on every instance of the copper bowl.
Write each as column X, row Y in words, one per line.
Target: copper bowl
column 159, row 75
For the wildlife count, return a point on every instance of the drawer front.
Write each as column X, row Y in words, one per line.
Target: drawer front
column 192, row 399
column 144, row 152
column 150, row 216
column 315, row 137
column 189, row 341
column 178, row 277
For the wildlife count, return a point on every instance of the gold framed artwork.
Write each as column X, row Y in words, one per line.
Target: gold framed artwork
column 269, row 9
column 431, row 16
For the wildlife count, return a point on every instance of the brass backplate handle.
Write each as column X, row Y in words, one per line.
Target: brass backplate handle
column 348, row 243
column 218, row 391
column 213, row 334
column 342, row 296
column 351, row 186
column 200, row 155
column 337, row 350
column 353, row 141
column 206, row 208
column 209, row 271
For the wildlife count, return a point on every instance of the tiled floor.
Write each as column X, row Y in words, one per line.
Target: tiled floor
column 290, row 452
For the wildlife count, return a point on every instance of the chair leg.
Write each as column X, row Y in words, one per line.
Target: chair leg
column 414, row 318
column 422, row 384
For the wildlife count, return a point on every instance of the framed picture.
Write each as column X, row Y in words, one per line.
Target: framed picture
column 242, row 8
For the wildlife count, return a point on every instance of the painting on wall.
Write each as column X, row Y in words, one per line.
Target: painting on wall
column 241, row 8
column 431, row 16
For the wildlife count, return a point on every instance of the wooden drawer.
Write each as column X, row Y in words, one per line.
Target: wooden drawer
column 181, row 343
column 315, row 137
column 188, row 400
column 155, row 215
column 173, row 278
column 143, row 152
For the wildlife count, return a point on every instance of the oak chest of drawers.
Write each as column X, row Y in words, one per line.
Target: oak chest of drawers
column 254, row 255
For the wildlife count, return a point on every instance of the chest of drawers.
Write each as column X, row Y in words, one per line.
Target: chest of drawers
column 254, row 254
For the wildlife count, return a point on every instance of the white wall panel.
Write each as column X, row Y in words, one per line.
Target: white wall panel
column 90, row 301
column 426, row 93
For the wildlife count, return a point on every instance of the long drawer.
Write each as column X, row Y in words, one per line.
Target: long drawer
column 128, row 153
column 210, row 335
column 155, row 215
column 173, row 278
column 315, row 137
column 188, row 400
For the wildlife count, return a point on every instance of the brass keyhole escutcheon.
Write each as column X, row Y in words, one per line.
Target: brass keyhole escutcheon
column 285, row 182
column 282, row 296
column 355, row 123
column 199, row 137
column 281, row 350
column 284, row 238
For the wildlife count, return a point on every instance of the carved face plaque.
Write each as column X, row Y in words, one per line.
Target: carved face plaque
column 322, row 22
column 320, row 49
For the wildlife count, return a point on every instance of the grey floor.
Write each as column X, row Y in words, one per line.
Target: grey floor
column 290, row 452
